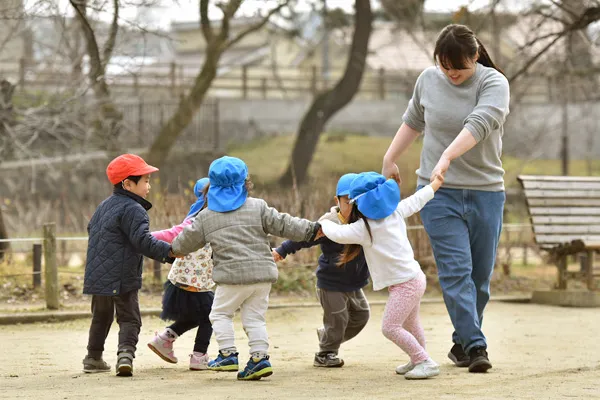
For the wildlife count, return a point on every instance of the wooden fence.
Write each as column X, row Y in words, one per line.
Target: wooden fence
column 248, row 81
column 52, row 251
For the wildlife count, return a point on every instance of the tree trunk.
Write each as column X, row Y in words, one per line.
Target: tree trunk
column 107, row 121
column 216, row 44
column 4, row 246
column 328, row 103
column 6, row 119
column 189, row 105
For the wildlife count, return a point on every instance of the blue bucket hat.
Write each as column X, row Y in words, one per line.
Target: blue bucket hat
column 343, row 185
column 227, row 190
column 197, row 206
column 375, row 196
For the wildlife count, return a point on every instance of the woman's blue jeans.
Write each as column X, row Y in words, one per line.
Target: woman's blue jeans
column 464, row 229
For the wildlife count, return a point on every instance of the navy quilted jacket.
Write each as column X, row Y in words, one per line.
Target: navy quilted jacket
column 119, row 237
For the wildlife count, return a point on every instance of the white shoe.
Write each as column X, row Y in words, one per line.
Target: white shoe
column 424, row 370
column 164, row 347
column 403, row 369
column 198, row 362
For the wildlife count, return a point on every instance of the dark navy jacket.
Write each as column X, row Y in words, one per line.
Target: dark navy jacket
column 354, row 275
column 119, row 237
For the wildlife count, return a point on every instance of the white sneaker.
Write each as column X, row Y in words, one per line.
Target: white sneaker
column 199, row 361
column 424, row 370
column 403, row 369
column 164, row 347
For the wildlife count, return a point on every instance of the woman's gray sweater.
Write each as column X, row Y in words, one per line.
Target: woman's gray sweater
column 441, row 110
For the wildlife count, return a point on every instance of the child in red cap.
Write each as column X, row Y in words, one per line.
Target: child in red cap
column 119, row 237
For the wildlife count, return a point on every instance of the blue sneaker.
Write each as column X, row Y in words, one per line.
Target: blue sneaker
column 222, row 363
column 255, row 369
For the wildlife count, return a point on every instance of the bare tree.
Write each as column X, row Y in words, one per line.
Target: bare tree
column 217, row 42
column 573, row 17
column 328, row 103
column 406, row 12
column 108, row 121
column 6, row 120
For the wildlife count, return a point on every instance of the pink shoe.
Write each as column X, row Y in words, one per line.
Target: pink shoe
column 198, row 361
column 164, row 347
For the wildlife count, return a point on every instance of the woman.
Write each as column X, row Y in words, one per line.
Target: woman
column 460, row 105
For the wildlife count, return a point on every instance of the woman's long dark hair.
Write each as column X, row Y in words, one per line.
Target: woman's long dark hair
column 456, row 44
column 351, row 251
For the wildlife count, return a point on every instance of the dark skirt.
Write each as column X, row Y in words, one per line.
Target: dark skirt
column 179, row 304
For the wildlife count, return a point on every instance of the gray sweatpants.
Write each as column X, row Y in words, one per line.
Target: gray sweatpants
column 345, row 314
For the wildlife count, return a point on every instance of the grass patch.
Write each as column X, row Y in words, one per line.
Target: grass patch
column 515, row 167
column 336, row 155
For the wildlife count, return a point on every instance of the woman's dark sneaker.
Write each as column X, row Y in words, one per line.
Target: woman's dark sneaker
column 479, row 360
column 458, row 356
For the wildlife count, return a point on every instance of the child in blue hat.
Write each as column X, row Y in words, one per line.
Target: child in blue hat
column 187, row 297
column 339, row 287
column 237, row 227
column 377, row 227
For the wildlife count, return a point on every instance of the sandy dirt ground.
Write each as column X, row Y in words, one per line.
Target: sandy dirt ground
column 538, row 352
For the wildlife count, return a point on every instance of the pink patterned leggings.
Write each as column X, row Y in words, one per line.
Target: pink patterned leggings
column 401, row 323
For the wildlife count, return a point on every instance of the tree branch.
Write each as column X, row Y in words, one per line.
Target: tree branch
column 109, row 46
column 589, row 16
column 550, row 16
column 96, row 69
column 256, row 26
column 207, row 30
column 564, row 7
column 9, row 36
column 535, row 58
column 484, row 21
column 540, row 38
column 582, row 21
column 229, row 11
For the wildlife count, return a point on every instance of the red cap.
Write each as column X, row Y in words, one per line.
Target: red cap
column 127, row 165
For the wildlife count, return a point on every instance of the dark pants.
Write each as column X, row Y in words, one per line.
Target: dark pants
column 203, row 333
column 464, row 229
column 127, row 308
column 345, row 314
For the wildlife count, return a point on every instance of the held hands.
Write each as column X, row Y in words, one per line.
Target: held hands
column 276, row 256
column 390, row 170
column 440, row 170
column 173, row 255
column 320, row 234
column 437, row 182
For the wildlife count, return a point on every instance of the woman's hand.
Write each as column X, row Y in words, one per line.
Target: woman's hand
column 440, row 169
column 390, row 170
column 437, row 183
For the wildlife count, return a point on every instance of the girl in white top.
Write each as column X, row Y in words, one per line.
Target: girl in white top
column 377, row 224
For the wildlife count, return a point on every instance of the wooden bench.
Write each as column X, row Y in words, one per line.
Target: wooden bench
column 565, row 215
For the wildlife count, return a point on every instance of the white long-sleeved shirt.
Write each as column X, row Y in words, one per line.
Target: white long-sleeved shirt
column 389, row 255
